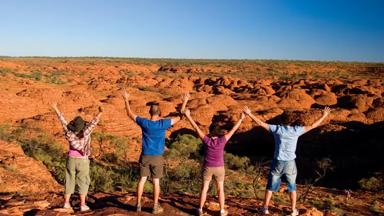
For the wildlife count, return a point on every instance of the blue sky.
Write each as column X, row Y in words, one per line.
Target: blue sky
column 252, row 29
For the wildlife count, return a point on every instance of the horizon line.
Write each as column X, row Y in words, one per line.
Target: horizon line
column 192, row 59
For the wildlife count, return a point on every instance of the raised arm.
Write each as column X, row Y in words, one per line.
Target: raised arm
column 184, row 98
column 254, row 118
column 60, row 115
column 88, row 130
column 193, row 123
column 326, row 112
column 234, row 129
column 130, row 114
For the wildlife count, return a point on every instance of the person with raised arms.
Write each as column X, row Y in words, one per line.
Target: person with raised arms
column 213, row 165
column 78, row 134
column 153, row 141
column 284, row 165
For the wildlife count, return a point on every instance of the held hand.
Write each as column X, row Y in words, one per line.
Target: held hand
column 246, row 110
column 326, row 111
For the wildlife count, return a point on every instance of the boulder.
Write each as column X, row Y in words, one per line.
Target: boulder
column 296, row 99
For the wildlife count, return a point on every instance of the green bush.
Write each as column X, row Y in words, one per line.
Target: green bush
column 372, row 183
column 235, row 162
column 185, row 146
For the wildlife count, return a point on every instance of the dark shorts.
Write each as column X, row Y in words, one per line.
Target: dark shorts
column 151, row 166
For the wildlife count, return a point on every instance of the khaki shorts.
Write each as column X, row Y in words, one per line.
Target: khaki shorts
column 218, row 172
column 151, row 165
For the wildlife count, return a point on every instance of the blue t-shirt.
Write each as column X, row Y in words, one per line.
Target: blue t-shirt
column 286, row 140
column 153, row 135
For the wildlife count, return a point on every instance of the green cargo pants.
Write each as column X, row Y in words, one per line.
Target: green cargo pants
column 77, row 173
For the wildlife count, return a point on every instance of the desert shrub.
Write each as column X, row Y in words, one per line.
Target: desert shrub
column 34, row 75
column 54, row 77
column 236, row 162
column 184, row 178
column 108, row 141
column 185, row 146
column 4, row 71
column 374, row 183
column 102, row 179
column 47, row 151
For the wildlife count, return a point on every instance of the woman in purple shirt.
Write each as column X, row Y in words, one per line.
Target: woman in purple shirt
column 214, row 144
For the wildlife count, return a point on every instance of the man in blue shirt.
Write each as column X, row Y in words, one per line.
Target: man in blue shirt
column 283, row 164
column 153, row 141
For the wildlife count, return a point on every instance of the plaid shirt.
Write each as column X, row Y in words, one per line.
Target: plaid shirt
column 83, row 145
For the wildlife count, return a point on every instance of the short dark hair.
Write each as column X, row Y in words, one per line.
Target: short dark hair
column 215, row 130
column 154, row 110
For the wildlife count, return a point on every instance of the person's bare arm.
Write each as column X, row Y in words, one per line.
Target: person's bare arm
column 185, row 99
column 326, row 112
column 254, row 118
column 60, row 115
column 130, row 114
column 193, row 123
column 234, row 129
column 88, row 130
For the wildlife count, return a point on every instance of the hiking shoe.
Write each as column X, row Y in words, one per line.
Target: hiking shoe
column 138, row 208
column 157, row 209
column 295, row 212
column 264, row 211
column 84, row 208
column 199, row 212
column 67, row 206
column 223, row 212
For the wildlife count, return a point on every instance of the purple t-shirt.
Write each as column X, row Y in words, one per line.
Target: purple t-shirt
column 214, row 151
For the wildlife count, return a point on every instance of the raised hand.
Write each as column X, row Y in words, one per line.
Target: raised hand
column 246, row 110
column 326, row 111
column 242, row 116
column 126, row 95
column 185, row 97
column 54, row 106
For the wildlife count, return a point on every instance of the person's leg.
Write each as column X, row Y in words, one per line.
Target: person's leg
column 140, row 189
column 293, row 196
column 83, row 179
column 220, row 191
column 291, row 174
column 70, row 181
column 156, row 191
column 144, row 173
column 203, row 192
column 156, row 168
column 274, row 180
column 267, row 198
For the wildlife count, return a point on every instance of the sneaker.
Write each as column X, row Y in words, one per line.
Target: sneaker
column 199, row 212
column 295, row 212
column 138, row 208
column 223, row 212
column 84, row 208
column 264, row 211
column 67, row 206
column 157, row 209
